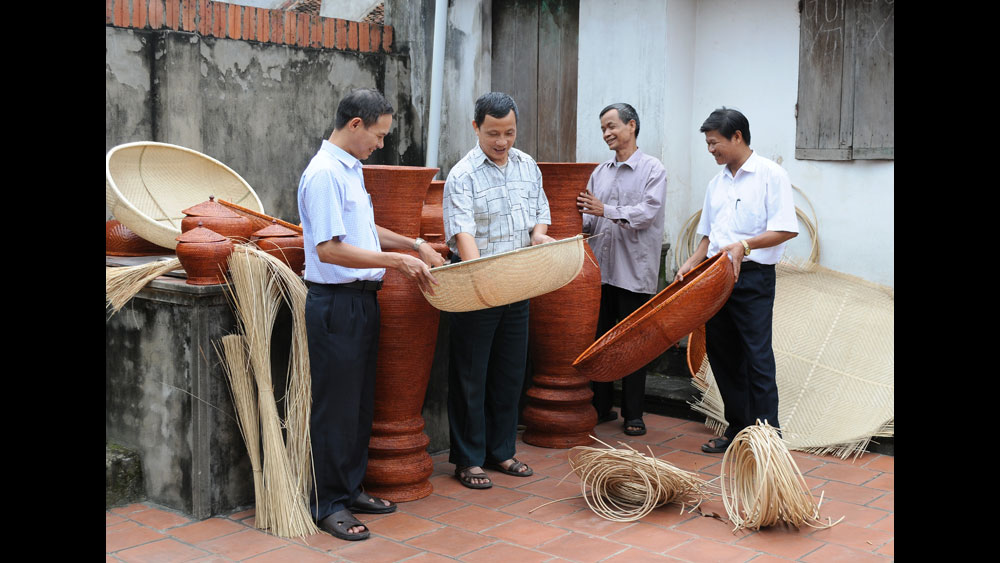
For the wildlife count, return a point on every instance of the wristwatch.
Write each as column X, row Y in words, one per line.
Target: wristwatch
column 417, row 242
column 746, row 248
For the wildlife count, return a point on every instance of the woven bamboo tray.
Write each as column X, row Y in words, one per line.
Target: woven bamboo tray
column 660, row 323
column 507, row 277
column 148, row 184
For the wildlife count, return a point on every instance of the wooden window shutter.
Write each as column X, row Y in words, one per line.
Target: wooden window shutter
column 846, row 88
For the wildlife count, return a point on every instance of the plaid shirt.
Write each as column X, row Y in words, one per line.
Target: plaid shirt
column 497, row 207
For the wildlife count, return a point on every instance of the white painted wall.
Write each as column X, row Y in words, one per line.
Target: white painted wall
column 676, row 61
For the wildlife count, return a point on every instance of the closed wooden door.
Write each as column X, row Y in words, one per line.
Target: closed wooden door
column 535, row 55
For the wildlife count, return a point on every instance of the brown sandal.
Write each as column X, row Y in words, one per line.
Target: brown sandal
column 465, row 477
column 514, row 468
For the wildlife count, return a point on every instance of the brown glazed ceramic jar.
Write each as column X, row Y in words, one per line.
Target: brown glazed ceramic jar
column 563, row 323
column 282, row 243
column 219, row 218
column 119, row 240
column 398, row 463
column 203, row 254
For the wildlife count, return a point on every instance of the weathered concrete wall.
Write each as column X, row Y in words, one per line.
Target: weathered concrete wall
column 261, row 108
column 467, row 67
column 710, row 53
column 167, row 397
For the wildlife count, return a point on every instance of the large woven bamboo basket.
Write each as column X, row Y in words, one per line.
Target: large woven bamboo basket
column 148, row 184
column 507, row 277
column 660, row 323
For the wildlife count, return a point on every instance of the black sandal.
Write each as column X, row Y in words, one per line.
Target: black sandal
column 367, row 504
column 716, row 445
column 338, row 523
column 465, row 477
column 635, row 423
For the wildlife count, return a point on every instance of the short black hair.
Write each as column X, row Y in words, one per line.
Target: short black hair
column 727, row 121
column 496, row 104
column 365, row 103
column 625, row 112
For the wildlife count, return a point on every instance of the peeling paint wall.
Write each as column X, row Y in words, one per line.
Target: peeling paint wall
column 466, row 73
column 261, row 108
column 712, row 53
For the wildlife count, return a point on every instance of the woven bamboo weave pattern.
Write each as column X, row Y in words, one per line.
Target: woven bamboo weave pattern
column 507, row 277
column 147, row 185
column 660, row 323
column 833, row 342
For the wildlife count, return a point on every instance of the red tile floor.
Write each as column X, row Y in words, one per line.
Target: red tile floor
column 508, row 522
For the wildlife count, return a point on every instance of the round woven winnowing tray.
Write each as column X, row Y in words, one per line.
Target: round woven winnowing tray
column 834, row 349
column 507, row 277
column 148, row 184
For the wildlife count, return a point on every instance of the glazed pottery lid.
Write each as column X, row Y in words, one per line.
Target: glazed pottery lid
column 210, row 208
column 201, row 234
column 275, row 230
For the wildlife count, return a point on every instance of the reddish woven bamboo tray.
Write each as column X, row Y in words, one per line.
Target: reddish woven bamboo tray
column 662, row 321
column 696, row 351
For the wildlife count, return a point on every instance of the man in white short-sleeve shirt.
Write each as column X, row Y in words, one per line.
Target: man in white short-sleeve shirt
column 344, row 267
column 749, row 214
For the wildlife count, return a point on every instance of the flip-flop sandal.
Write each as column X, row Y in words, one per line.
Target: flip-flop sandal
column 607, row 417
column 513, row 469
column 338, row 524
column 716, row 445
column 635, row 423
column 367, row 504
column 465, row 477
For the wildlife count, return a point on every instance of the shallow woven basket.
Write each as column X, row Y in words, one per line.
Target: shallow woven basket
column 147, row 185
column 507, row 277
column 660, row 323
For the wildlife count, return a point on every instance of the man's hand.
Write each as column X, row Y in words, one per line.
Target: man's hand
column 698, row 257
column 430, row 256
column 416, row 270
column 539, row 238
column 735, row 252
column 587, row 203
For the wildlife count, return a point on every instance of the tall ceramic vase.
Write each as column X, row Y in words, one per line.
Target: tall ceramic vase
column 559, row 413
column 398, row 463
column 432, row 219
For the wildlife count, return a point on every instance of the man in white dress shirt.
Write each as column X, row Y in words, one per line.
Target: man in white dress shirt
column 749, row 214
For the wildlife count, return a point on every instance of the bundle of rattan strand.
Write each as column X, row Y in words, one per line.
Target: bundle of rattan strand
column 236, row 364
column 122, row 283
column 762, row 486
column 257, row 293
column 623, row 485
column 298, row 397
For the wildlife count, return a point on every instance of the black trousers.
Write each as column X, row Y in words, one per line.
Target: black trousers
column 616, row 304
column 342, row 326
column 738, row 342
column 489, row 352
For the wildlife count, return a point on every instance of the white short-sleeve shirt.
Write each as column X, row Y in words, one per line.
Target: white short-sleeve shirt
column 333, row 203
column 756, row 199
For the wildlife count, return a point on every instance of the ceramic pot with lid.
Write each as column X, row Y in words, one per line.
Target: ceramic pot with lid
column 203, row 254
column 282, row 243
column 218, row 218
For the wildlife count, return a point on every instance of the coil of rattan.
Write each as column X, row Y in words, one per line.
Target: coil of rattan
column 762, row 486
column 623, row 484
